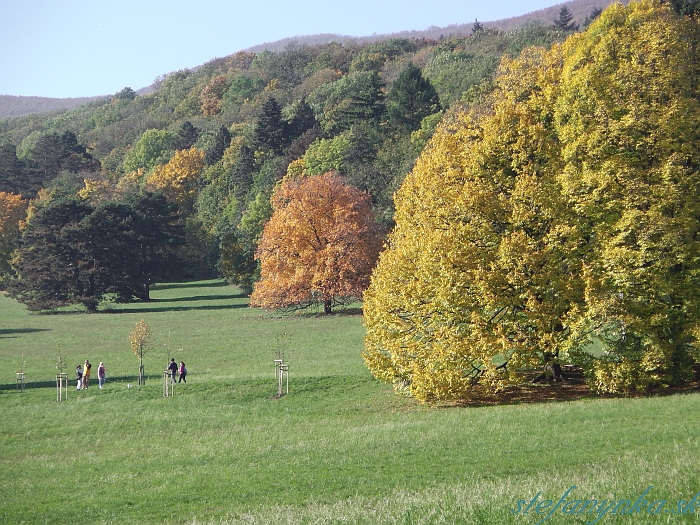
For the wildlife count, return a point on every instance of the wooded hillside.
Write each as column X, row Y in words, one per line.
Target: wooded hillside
column 216, row 140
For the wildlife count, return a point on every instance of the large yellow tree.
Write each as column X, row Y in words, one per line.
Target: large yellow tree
column 319, row 246
column 562, row 212
column 178, row 178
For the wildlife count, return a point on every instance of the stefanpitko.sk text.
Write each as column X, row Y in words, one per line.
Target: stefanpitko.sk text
column 597, row 509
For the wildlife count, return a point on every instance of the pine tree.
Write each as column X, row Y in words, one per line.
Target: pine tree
column 565, row 20
column 271, row 131
column 187, row 135
column 412, row 98
column 221, row 143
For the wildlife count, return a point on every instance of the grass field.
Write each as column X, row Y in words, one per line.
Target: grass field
column 340, row 448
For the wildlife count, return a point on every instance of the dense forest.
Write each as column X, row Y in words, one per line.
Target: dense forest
column 189, row 169
column 216, row 140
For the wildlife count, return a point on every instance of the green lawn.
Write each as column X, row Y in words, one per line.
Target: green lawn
column 340, row 448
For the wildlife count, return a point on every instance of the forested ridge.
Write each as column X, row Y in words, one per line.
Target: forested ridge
column 216, row 140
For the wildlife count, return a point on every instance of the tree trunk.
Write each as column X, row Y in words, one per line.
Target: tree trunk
column 326, row 306
column 142, row 379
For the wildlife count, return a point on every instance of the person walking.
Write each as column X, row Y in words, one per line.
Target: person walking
column 86, row 374
column 173, row 369
column 101, row 374
column 79, row 377
column 183, row 372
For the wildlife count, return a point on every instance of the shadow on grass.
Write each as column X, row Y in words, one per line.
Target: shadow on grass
column 154, row 309
column 172, row 286
column 572, row 389
column 114, row 380
column 4, row 333
column 199, row 298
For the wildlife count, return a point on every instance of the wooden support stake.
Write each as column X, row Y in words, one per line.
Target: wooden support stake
column 20, row 381
column 61, row 384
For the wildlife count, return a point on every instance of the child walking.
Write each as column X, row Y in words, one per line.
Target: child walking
column 101, row 374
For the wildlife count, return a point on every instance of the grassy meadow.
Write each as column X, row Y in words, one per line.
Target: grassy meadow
column 340, row 448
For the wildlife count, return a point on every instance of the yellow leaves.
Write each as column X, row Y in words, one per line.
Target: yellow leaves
column 178, row 178
column 273, row 85
column 565, row 205
column 296, row 169
column 130, row 180
column 139, row 338
column 94, row 189
column 13, row 213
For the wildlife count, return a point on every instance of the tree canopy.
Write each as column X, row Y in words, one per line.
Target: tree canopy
column 559, row 215
column 74, row 253
column 349, row 107
column 319, row 246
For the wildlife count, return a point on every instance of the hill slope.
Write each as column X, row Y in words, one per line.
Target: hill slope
column 11, row 106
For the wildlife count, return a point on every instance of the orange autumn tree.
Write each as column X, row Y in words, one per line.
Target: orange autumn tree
column 13, row 210
column 319, row 246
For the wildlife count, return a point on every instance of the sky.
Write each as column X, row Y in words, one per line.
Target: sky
column 80, row 48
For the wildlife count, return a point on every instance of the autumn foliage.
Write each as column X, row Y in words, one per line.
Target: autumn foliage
column 178, row 178
column 13, row 210
column 319, row 246
column 559, row 216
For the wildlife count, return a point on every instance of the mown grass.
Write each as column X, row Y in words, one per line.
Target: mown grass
column 340, row 448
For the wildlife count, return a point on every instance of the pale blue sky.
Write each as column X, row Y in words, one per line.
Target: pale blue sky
column 75, row 48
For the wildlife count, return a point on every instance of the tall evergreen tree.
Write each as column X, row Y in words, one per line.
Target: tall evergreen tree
column 565, row 20
column 271, row 132
column 56, row 152
column 367, row 103
column 412, row 98
column 303, row 119
column 221, row 143
column 72, row 253
column 187, row 135
column 14, row 178
column 591, row 17
column 51, row 259
column 239, row 180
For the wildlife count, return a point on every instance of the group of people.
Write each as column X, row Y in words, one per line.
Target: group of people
column 82, row 375
column 174, row 370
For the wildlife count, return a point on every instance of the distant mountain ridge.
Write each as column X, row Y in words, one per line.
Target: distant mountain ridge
column 578, row 8
column 12, row 106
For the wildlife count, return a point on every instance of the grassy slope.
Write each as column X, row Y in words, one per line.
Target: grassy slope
column 341, row 448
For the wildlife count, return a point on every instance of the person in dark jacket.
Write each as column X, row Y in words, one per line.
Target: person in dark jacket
column 173, row 369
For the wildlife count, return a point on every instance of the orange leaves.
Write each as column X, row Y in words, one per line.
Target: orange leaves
column 320, row 244
column 13, row 210
column 211, row 95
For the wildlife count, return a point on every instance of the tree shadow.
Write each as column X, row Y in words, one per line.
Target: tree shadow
column 172, row 286
column 171, row 309
column 122, row 380
column 198, row 298
column 7, row 332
